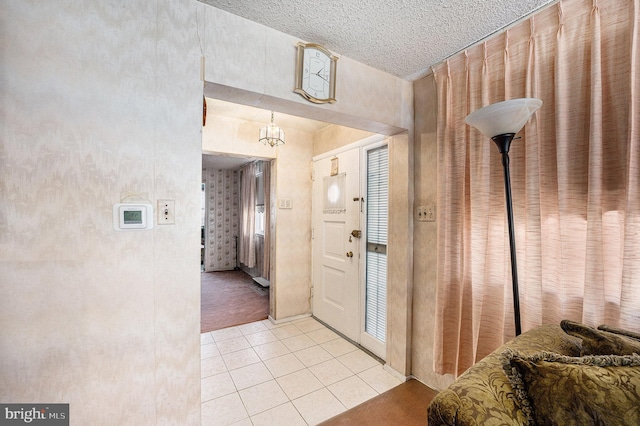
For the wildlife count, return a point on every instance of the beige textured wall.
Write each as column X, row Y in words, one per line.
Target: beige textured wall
column 332, row 137
column 400, row 254
column 424, row 234
column 236, row 48
column 235, row 137
column 100, row 100
column 292, row 269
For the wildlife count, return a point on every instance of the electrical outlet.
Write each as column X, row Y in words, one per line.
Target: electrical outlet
column 166, row 212
column 431, row 213
column 426, row 213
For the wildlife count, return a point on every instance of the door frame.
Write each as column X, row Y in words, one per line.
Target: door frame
column 371, row 142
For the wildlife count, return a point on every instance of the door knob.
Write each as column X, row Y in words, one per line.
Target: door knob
column 349, row 254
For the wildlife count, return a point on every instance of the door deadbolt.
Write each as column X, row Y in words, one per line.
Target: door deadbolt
column 349, row 254
column 356, row 233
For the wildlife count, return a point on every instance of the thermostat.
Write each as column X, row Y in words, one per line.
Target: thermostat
column 129, row 216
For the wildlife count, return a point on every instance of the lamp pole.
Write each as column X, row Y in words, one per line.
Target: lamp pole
column 503, row 142
column 504, row 120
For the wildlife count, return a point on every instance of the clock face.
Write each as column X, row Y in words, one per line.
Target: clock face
column 316, row 73
column 316, row 70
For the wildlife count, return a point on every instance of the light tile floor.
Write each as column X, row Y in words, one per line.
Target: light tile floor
column 296, row 373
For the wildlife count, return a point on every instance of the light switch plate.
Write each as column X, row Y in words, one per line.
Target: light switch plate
column 426, row 213
column 284, row 203
column 166, row 212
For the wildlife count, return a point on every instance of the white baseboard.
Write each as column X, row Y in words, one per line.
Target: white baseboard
column 396, row 373
column 262, row 282
column 288, row 319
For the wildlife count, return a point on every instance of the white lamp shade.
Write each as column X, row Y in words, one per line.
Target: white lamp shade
column 503, row 117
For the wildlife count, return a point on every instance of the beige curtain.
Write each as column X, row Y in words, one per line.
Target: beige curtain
column 248, row 193
column 266, row 253
column 575, row 180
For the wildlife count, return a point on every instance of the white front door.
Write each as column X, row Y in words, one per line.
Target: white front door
column 336, row 252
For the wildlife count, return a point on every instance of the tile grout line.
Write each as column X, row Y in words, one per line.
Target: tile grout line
column 247, row 330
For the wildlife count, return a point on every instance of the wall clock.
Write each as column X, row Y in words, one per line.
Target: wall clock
column 316, row 73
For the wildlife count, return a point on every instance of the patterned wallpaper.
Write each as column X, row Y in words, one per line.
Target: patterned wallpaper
column 223, row 213
column 84, row 146
column 91, row 316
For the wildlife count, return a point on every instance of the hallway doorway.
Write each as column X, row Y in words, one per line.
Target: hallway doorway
column 232, row 293
column 231, row 298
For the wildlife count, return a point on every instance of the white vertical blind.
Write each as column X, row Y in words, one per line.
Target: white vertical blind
column 377, row 201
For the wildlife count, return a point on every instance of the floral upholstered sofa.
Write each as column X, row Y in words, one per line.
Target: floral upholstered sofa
column 567, row 374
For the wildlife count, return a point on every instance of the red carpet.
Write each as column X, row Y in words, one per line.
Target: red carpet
column 230, row 298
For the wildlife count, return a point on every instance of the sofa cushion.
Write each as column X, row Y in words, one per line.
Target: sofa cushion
column 598, row 342
column 483, row 395
column 562, row 390
column 615, row 330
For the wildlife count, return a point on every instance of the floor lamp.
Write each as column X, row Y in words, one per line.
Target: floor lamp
column 500, row 122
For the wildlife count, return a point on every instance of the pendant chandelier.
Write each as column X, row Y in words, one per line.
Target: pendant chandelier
column 272, row 134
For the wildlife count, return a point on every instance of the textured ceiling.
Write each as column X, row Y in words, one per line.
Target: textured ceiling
column 401, row 37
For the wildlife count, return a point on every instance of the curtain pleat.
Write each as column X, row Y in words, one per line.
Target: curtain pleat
column 575, row 176
column 629, row 295
column 248, row 215
column 266, row 255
